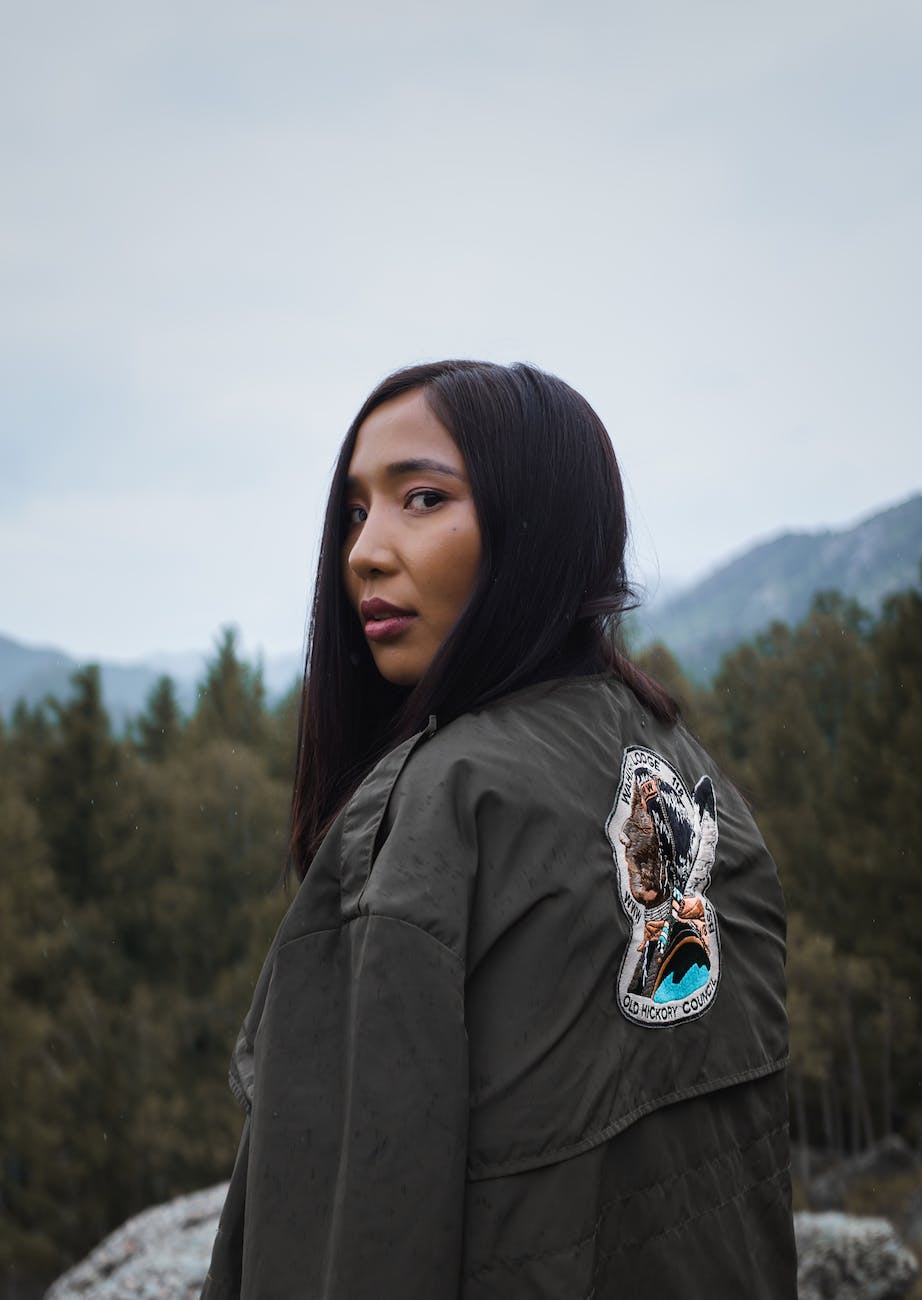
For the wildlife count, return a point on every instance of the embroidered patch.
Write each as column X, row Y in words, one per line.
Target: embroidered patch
column 664, row 841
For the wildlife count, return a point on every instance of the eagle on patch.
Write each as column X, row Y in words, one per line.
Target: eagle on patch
column 664, row 842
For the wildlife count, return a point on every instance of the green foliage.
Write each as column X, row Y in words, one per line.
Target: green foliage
column 231, row 698
column 160, row 726
column 31, row 940
column 660, row 664
column 78, row 794
column 282, row 738
column 138, row 895
column 821, row 726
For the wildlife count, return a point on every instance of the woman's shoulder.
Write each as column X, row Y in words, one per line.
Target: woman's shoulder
column 562, row 745
column 557, row 743
column 513, row 726
column 520, row 739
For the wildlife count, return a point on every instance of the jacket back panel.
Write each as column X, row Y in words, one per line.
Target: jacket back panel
column 446, row 1094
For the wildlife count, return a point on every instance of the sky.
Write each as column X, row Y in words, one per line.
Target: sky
column 223, row 223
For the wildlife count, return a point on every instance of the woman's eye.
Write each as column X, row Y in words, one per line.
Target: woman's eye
column 425, row 498
column 355, row 515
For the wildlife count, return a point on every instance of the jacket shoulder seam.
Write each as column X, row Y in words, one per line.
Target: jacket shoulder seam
column 367, row 915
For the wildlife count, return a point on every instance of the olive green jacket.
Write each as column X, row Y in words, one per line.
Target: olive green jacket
column 521, row 1033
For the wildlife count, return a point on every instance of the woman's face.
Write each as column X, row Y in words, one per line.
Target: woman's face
column 412, row 538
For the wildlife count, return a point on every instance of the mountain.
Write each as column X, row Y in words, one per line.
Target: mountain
column 32, row 672
column 777, row 579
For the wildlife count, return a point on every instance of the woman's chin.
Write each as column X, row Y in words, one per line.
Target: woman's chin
column 398, row 669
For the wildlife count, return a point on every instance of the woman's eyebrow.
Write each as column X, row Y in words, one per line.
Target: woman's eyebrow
column 422, row 463
column 414, row 465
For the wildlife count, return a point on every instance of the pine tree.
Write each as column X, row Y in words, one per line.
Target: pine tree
column 159, row 727
column 34, row 1099
column 79, row 791
column 282, row 736
column 663, row 666
column 231, row 698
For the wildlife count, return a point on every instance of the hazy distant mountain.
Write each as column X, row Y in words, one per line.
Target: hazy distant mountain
column 776, row 580
column 32, row 672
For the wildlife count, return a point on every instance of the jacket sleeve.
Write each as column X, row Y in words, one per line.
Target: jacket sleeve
column 358, row 1134
column 222, row 1281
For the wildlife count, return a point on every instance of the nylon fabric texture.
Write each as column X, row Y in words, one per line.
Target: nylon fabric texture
column 522, row 1030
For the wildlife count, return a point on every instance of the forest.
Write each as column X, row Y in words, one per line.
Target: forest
column 140, row 885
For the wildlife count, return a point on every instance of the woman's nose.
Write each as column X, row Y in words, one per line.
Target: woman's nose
column 372, row 549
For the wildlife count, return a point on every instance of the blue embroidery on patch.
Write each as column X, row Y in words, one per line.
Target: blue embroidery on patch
column 694, row 978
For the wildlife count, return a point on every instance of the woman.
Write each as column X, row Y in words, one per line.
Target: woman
column 521, row 1032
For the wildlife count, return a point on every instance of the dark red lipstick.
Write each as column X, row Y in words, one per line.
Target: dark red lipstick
column 382, row 620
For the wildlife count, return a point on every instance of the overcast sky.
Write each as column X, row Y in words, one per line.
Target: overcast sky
column 222, row 223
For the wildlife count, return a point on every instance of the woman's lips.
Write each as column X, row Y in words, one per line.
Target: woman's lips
column 382, row 620
column 383, row 629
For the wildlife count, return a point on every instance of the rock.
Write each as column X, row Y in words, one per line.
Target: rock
column 840, row 1257
column 161, row 1254
column 889, row 1156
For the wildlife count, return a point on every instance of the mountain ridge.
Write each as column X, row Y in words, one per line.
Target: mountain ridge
column 31, row 673
column 776, row 580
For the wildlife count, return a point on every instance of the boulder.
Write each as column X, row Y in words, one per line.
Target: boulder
column 841, row 1257
column 161, row 1254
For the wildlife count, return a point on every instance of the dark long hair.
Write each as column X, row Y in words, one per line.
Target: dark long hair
column 548, row 597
